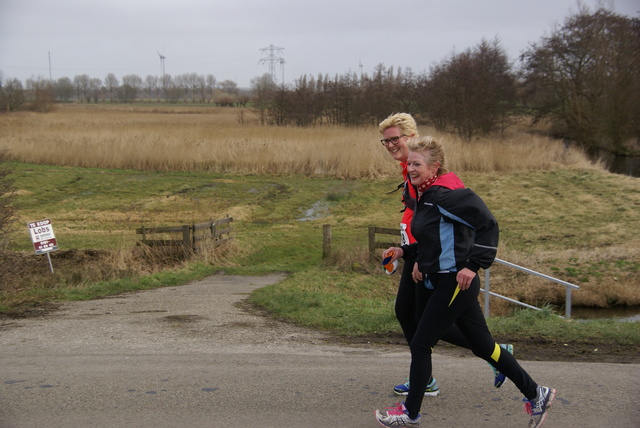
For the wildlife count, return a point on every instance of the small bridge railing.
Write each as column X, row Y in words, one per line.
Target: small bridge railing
column 488, row 293
column 373, row 245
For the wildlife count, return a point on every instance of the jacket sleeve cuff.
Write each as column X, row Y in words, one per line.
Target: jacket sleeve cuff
column 407, row 251
column 473, row 266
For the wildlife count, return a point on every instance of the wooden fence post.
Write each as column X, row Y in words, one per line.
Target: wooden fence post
column 372, row 243
column 326, row 241
column 193, row 237
column 186, row 237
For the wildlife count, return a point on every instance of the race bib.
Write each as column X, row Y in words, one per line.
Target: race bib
column 404, row 236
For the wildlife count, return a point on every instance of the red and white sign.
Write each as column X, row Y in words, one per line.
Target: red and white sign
column 42, row 236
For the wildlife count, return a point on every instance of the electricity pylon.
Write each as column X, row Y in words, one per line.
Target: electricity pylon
column 271, row 59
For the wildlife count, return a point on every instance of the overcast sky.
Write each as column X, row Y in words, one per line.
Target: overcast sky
column 225, row 38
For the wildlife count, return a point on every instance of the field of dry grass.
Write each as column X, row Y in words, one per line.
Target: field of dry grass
column 559, row 213
column 225, row 140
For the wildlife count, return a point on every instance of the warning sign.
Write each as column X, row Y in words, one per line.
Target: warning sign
column 42, row 236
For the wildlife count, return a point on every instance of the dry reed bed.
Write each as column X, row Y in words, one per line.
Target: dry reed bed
column 212, row 139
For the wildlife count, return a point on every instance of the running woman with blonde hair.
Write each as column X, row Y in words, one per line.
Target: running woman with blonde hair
column 412, row 295
column 456, row 236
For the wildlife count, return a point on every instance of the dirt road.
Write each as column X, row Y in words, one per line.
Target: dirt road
column 190, row 356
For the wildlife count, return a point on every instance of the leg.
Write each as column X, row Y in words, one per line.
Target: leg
column 437, row 318
column 411, row 299
column 406, row 302
column 474, row 327
column 538, row 399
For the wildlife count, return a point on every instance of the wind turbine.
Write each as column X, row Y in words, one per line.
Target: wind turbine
column 162, row 57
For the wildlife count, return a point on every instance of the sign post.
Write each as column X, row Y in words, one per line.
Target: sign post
column 44, row 241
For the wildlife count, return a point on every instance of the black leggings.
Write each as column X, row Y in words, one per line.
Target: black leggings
column 411, row 300
column 448, row 305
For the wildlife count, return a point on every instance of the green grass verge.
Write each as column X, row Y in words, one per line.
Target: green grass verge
column 344, row 303
column 545, row 324
column 354, row 304
column 278, row 226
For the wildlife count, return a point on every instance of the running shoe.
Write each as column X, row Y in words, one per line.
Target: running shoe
column 432, row 389
column 537, row 408
column 397, row 417
column 499, row 378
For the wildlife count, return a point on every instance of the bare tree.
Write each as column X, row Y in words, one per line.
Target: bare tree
column 166, row 83
column 263, row 89
column 95, row 89
column 229, row 86
column 472, row 92
column 42, row 95
column 81, row 83
column 211, row 85
column 379, row 93
column 585, row 76
column 191, row 83
column 406, row 93
column 11, row 95
column 111, row 84
column 302, row 102
column 201, row 88
column 63, row 89
column 172, row 90
column 131, row 85
column 151, row 85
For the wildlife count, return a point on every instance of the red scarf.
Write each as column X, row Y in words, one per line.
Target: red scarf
column 424, row 186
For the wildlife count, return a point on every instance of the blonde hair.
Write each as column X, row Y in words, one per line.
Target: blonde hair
column 404, row 121
column 429, row 146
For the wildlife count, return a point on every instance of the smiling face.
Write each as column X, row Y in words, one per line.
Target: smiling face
column 399, row 150
column 418, row 167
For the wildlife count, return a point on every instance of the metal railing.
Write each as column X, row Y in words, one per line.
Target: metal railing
column 373, row 245
column 488, row 293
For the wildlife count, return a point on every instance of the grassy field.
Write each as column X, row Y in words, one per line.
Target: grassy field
column 101, row 172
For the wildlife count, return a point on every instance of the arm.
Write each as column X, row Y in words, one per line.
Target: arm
column 467, row 208
column 397, row 253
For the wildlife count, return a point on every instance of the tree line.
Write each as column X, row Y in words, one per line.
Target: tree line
column 188, row 87
column 584, row 78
